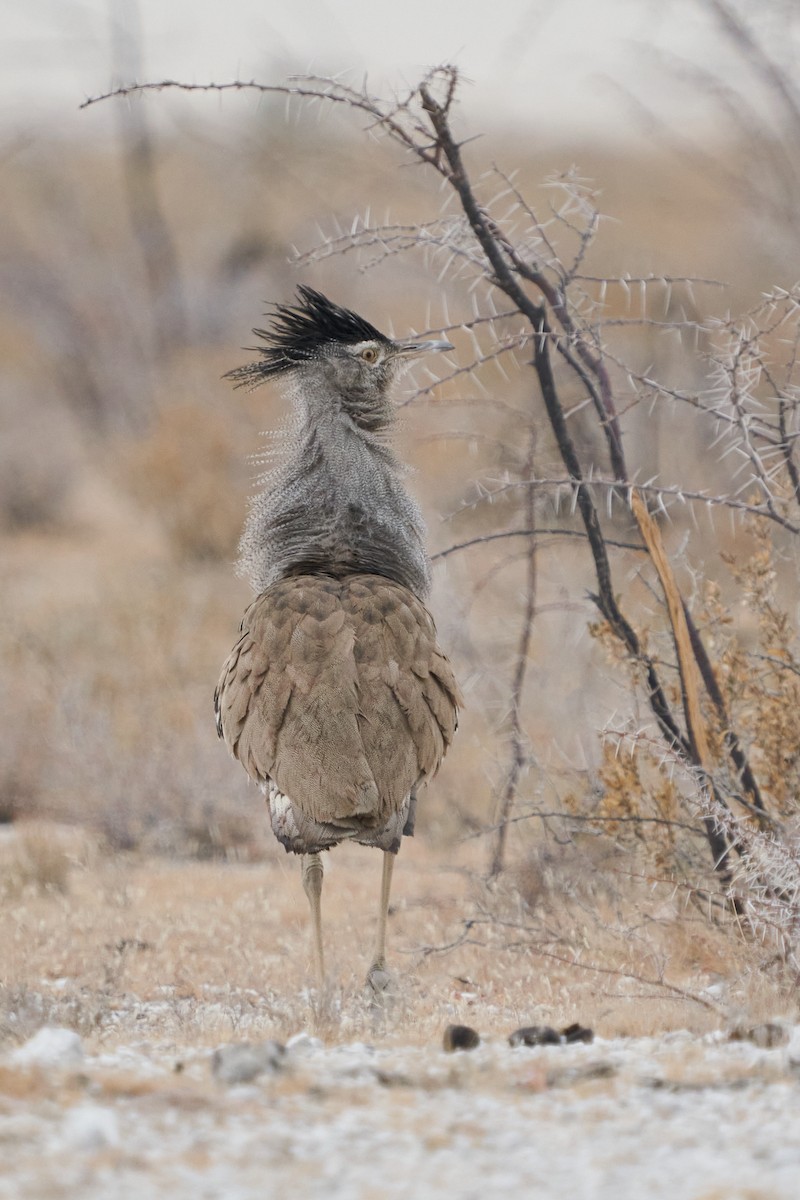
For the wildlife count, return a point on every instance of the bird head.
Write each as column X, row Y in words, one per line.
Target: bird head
column 336, row 353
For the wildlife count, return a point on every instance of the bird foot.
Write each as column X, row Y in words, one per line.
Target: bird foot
column 379, row 981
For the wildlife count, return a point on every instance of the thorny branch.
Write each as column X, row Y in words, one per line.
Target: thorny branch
column 505, row 279
column 533, row 946
column 519, row 755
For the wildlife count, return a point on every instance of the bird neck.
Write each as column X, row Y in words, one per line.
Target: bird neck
column 336, row 505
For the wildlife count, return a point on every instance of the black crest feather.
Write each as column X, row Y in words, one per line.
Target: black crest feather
column 297, row 334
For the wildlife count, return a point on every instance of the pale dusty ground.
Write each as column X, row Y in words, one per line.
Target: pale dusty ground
column 677, row 1116
column 146, row 967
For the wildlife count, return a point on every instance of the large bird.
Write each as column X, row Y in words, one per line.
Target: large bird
column 336, row 698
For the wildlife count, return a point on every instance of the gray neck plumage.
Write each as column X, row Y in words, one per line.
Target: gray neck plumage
column 334, row 505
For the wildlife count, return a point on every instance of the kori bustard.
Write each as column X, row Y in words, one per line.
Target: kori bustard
column 336, row 698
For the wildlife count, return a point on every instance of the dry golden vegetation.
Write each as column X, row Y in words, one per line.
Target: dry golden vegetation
column 123, row 482
column 132, row 948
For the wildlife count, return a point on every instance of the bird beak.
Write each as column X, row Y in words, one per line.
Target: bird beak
column 411, row 348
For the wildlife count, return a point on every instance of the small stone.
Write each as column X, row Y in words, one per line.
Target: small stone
column 460, row 1037
column 535, row 1035
column 90, row 1128
column 303, row 1043
column 573, row 1075
column 767, row 1036
column 577, row 1033
column 245, row 1061
column 52, row 1047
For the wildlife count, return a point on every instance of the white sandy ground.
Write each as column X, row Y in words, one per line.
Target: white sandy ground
column 680, row 1116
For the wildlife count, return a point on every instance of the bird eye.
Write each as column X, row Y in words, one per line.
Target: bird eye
column 369, row 354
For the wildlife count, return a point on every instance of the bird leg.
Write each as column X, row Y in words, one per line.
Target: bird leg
column 311, row 866
column 377, row 976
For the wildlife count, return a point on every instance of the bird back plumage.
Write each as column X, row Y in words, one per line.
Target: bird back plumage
column 337, row 694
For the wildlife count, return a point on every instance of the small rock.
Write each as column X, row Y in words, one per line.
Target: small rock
column 357, row 1048
column 90, row 1128
column 545, row 1035
column 245, row 1061
column 460, row 1037
column 51, row 1047
column 767, row 1036
column 535, row 1035
column 573, row 1075
column 577, row 1033
column 303, row 1043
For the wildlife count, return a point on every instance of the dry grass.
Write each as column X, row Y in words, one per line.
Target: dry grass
column 189, row 953
column 41, row 858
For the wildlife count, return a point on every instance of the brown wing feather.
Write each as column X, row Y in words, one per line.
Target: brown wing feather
column 338, row 692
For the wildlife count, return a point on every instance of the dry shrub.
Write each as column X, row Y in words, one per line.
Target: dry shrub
column 39, row 856
column 24, row 714
column 112, row 722
column 39, row 455
column 577, row 870
column 757, row 664
column 183, row 471
column 25, row 1009
column 40, row 860
column 761, row 674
